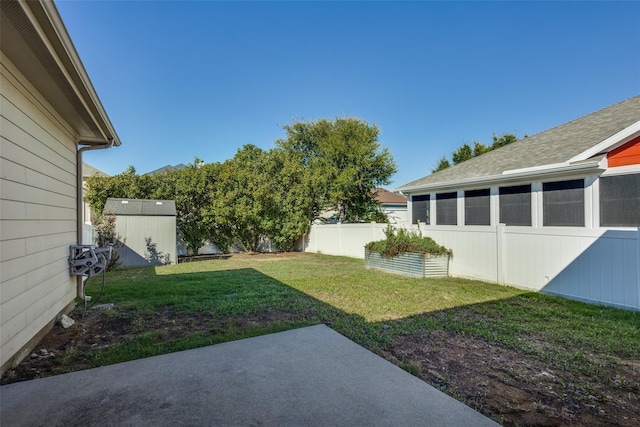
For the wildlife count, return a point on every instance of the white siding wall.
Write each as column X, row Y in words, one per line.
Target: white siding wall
column 594, row 265
column 38, row 207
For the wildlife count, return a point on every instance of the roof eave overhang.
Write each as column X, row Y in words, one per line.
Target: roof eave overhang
column 81, row 81
column 611, row 143
column 79, row 102
column 535, row 173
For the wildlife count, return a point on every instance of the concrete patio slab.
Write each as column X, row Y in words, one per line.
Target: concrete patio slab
column 305, row 377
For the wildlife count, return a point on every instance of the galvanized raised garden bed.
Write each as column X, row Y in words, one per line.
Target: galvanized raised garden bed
column 410, row 264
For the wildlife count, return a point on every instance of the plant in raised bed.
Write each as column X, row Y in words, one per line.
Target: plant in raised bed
column 400, row 241
column 409, row 253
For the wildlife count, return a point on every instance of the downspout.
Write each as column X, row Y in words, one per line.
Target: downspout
column 79, row 207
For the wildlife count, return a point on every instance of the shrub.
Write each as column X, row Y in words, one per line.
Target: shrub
column 106, row 235
column 401, row 241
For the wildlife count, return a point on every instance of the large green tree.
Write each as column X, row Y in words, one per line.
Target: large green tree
column 240, row 199
column 262, row 194
column 272, row 194
column 125, row 185
column 344, row 163
column 291, row 209
column 191, row 188
column 465, row 152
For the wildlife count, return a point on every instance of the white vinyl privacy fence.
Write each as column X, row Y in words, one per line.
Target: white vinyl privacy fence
column 593, row 265
column 88, row 234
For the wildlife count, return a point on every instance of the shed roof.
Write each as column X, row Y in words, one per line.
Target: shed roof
column 559, row 145
column 140, row 207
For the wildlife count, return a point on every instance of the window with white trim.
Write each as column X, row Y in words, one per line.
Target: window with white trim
column 563, row 203
column 420, row 209
column 515, row 205
column 620, row 201
column 477, row 209
column 447, row 208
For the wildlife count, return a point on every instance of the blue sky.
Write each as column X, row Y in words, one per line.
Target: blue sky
column 181, row 79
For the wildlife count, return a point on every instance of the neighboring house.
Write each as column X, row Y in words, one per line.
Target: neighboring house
column 393, row 205
column 586, row 173
column 147, row 229
column 569, row 199
column 50, row 113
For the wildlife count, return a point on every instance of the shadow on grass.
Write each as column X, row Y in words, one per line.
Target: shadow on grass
column 248, row 302
column 176, row 311
column 210, row 307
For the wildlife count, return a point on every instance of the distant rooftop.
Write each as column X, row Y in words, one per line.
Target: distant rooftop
column 167, row 168
column 386, row 197
column 88, row 170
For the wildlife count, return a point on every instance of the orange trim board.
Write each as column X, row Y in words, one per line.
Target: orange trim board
column 627, row 154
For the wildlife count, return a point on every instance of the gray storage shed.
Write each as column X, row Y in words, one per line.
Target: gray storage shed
column 147, row 229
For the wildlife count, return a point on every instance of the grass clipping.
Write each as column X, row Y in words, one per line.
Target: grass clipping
column 399, row 241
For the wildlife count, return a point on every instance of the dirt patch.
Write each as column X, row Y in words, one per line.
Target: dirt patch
column 512, row 388
column 65, row 350
column 517, row 389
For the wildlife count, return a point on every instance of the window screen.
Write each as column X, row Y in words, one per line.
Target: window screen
column 447, row 209
column 620, row 201
column 420, row 206
column 515, row 205
column 476, row 207
column 563, row 203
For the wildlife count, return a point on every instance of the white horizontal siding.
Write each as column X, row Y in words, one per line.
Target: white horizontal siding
column 20, row 192
column 39, row 313
column 39, row 121
column 38, row 206
column 12, row 249
column 13, row 287
column 36, row 228
column 14, row 152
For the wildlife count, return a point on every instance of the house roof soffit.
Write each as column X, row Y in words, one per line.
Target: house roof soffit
column 36, row 41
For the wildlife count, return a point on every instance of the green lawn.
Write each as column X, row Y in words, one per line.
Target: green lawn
column 369, row 307
column 519, row 357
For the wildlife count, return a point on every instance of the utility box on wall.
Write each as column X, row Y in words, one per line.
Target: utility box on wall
column 147, row 230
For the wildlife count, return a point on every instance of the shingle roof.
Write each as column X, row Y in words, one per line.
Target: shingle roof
column 386, row 197
column 88, row 170
column 140, row 207
column 167, row 168
column 553, row 146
